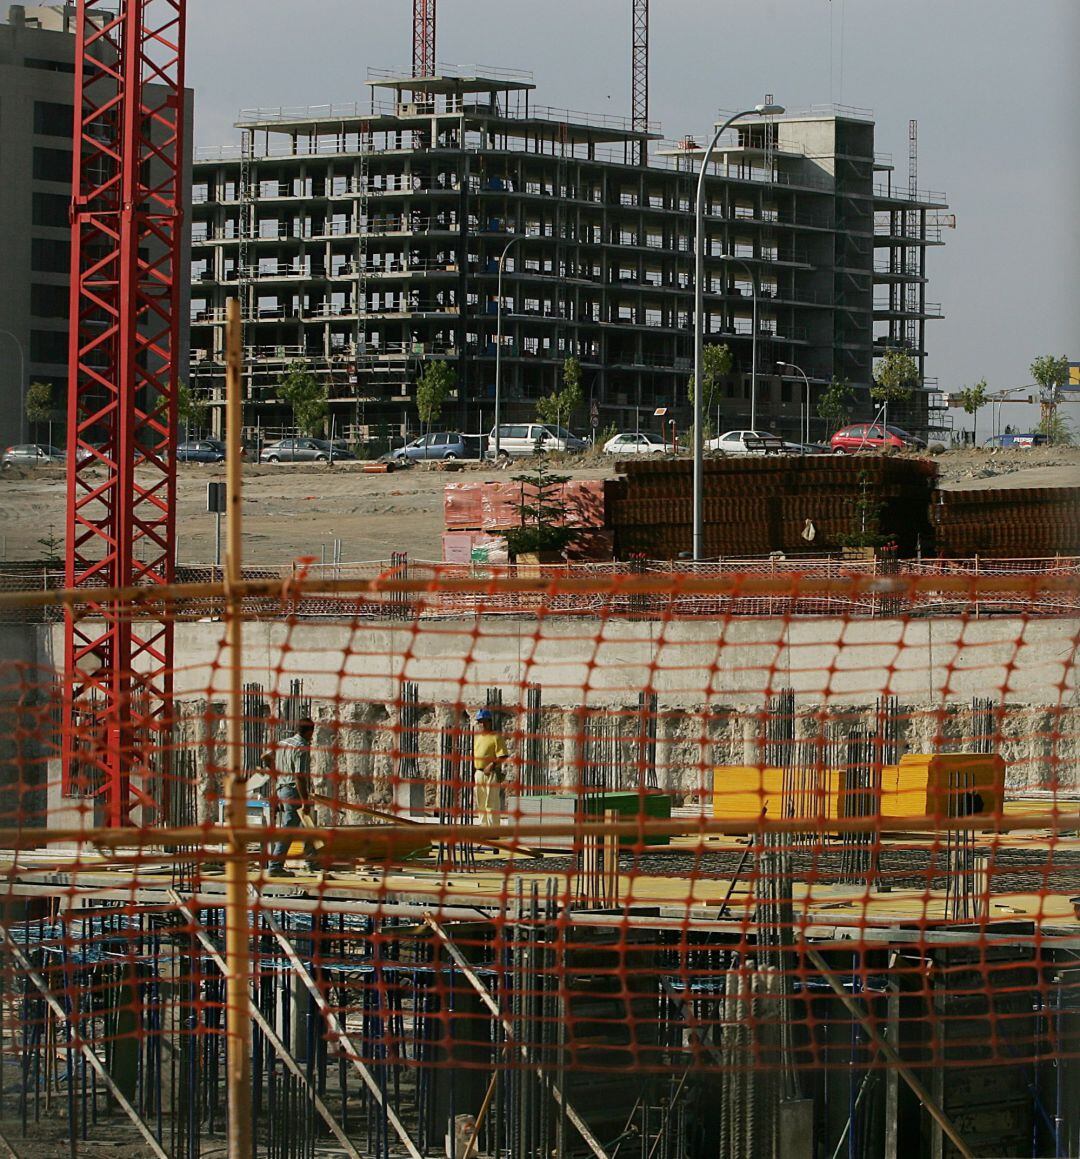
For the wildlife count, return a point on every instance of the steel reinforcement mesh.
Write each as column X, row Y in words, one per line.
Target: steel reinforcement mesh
column 742, row 863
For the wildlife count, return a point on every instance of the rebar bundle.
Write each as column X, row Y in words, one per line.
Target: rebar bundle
column 294, row 707
column 860, row 796
column 984, row 735
column 456, row 792
column 772, row 855
column 887, row 719
column 646, row 776
column 596, row 857
column 962, row 892
column 534, row 774
column 399, row 606
column 256, row 712
column 408, row 785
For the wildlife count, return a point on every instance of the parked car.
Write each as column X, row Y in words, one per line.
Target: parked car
column 736, row 442
column 441, row 445
column 636, row 443
column 519, row 440
column 305, row 451
column 1016, row 440
column 201, row 451
column 873, row 437
column 32, row 455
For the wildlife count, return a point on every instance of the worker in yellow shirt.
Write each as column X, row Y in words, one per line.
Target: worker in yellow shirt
column 489, row 755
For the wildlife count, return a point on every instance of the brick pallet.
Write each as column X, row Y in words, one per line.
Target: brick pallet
column 756, row 505
column 1021, row 522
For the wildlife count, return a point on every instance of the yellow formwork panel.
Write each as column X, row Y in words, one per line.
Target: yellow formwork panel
column 918, row 786
column 742, row 791
column 949, row 773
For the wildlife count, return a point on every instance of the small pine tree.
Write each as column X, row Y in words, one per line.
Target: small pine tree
column 542, row 513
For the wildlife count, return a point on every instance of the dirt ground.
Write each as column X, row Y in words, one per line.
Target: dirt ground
column 297, row 510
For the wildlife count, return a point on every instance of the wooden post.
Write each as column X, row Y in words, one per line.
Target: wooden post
column 237, row 918
column 610, row 888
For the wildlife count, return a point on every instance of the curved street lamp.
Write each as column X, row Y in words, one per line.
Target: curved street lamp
column 806, row 423
column 699, row 318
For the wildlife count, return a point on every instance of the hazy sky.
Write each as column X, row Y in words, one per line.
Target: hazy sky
column 994, row 85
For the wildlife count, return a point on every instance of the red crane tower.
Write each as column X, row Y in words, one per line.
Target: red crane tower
column 423, row 41
column 127, row 214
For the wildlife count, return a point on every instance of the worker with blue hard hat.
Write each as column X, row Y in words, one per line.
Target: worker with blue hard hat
column 489, row 756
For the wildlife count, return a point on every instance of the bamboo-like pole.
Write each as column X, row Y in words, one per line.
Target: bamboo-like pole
column 237, row 920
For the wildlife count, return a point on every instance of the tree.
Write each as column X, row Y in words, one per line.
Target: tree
column 895, row 377
column 559, row 406
column 971, row 399
column 716, row 362
column 1049, row 373
column 192, row 409
column 307, row 396
column 1057, row 429
column 433, row 388
column 542, row 515
column 39, row 402
column 836, row 403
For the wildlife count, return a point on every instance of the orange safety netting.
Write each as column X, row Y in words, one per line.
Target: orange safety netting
column 744, row 861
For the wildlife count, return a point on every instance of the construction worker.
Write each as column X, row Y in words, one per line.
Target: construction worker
column 290, row 791
column 489, row 755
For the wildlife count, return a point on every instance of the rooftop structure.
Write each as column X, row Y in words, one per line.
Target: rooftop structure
column 365, row 241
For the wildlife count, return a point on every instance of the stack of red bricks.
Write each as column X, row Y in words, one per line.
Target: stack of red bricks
column 1007, row 523
column 474, row 512
column 757, row 504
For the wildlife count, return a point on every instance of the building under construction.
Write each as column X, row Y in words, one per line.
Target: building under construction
column 365, row 241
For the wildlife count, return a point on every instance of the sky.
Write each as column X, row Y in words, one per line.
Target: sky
column 993, row 84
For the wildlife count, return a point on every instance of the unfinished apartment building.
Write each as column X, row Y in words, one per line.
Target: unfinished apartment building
column 364, row 242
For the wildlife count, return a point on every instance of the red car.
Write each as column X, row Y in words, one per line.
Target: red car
column 873, row 437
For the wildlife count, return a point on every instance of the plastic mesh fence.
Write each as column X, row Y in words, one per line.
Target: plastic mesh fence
column 778, row 862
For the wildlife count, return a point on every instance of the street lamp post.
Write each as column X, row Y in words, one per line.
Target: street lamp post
column 753, row 340
column 22, row 384
column 699, row 319
column 806, row 423
column 498, row 346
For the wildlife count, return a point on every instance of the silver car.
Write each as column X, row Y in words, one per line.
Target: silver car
column 32, row 455
column 519, row 440
column 304, row 450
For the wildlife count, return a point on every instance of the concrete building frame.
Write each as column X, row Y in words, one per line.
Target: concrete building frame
column 364, row 243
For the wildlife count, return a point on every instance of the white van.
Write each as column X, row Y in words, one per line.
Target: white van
column 519, row 440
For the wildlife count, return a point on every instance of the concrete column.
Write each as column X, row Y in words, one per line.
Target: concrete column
column 573, row 748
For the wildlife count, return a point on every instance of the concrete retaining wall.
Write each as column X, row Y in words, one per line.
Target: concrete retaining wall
column 711, row 678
